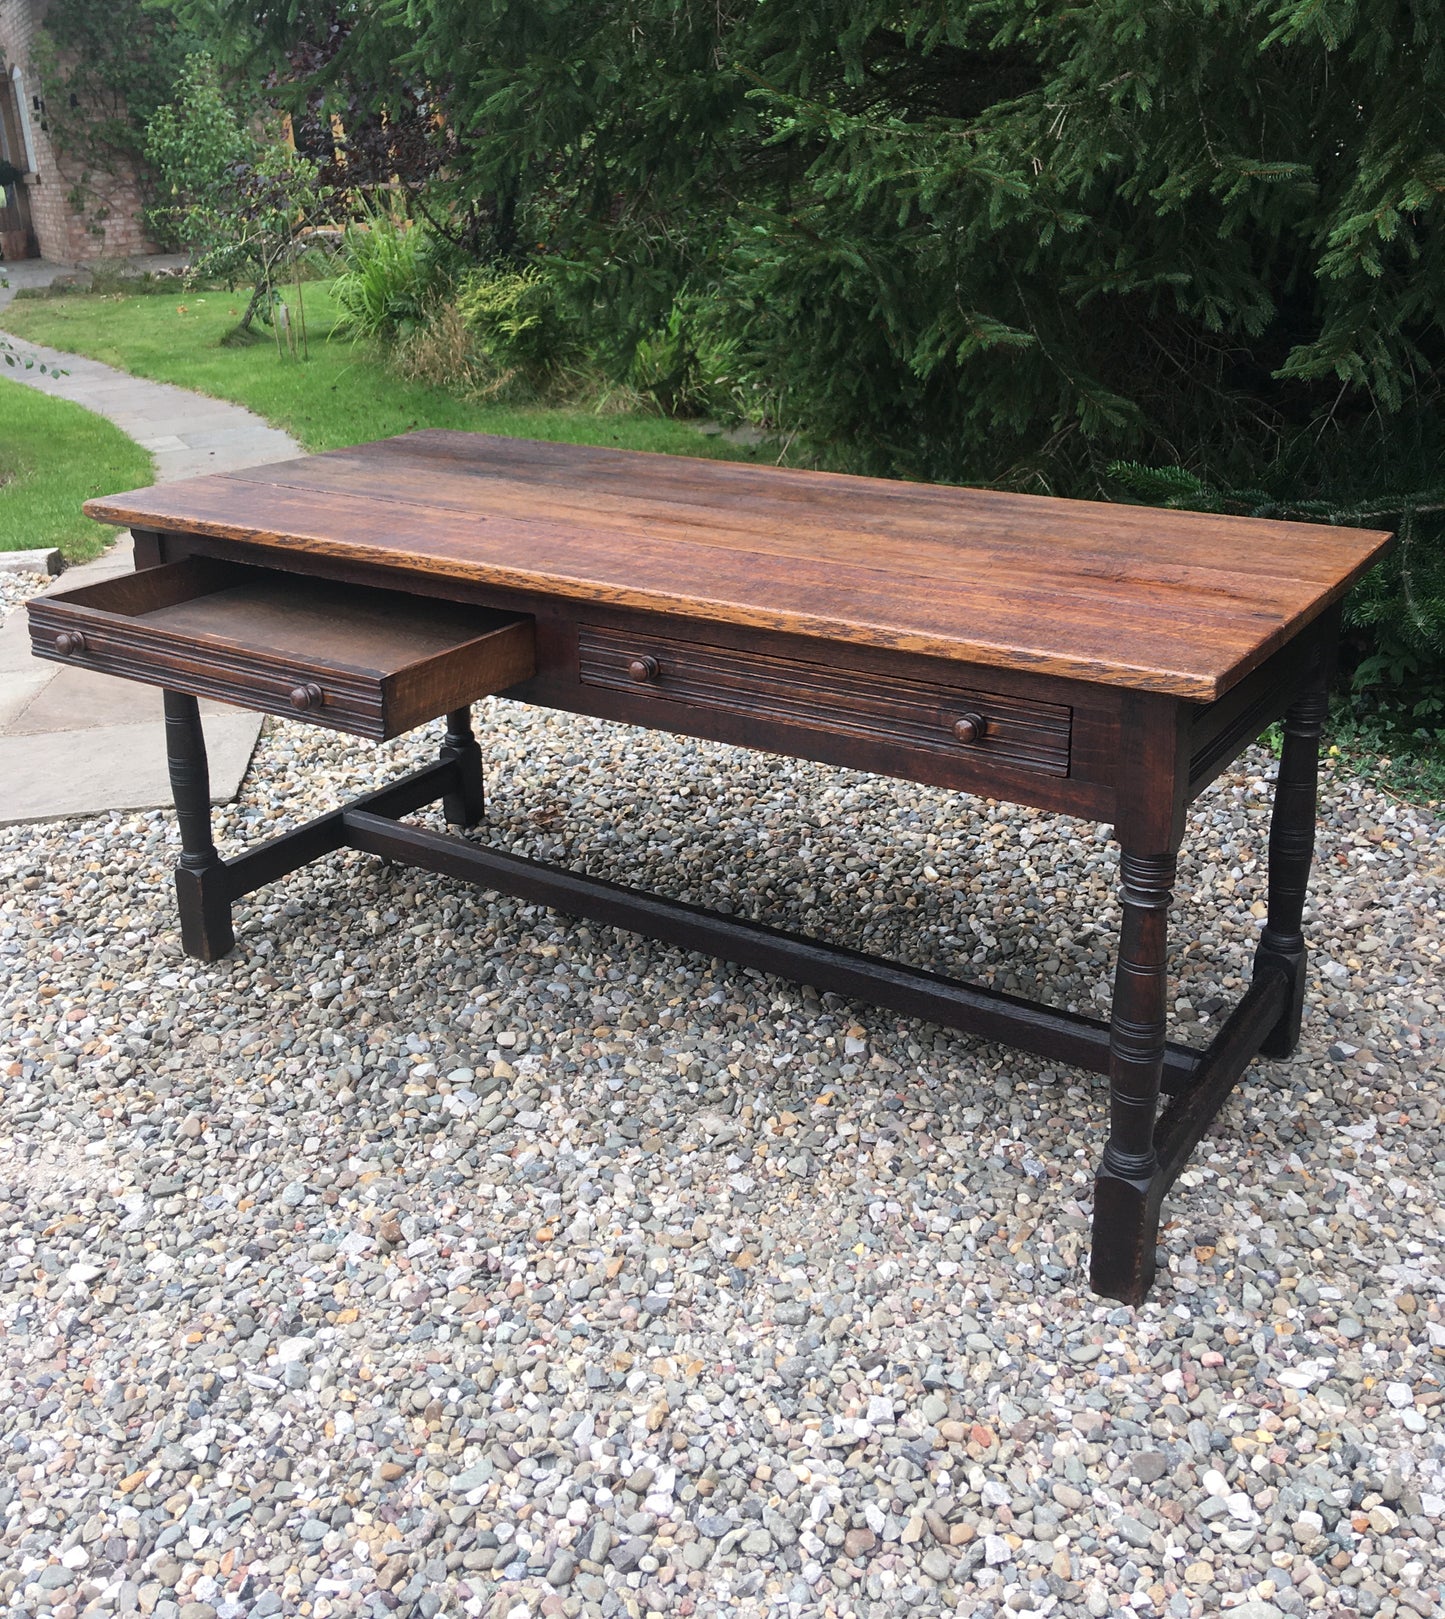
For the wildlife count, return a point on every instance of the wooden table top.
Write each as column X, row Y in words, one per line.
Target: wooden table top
column 1177, row 602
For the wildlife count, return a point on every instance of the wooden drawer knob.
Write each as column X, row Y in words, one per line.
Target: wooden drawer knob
column 307, row 696
column 69, row 643
column 970, row 728
column 643, row 669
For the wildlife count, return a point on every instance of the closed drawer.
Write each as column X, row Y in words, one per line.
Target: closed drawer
column 947, row 719
column 372, row 662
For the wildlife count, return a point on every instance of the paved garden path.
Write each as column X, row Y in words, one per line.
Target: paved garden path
column 77, row 743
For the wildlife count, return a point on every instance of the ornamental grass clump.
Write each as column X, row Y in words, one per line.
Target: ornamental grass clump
column 392, row 280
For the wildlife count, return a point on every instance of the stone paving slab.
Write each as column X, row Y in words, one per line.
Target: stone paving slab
column 45, row 560
column 15, row 656
column 83, row 701
column 21, row 273
column 73, row 742
column 19, row 692
column 228, row 435
column 48, row 775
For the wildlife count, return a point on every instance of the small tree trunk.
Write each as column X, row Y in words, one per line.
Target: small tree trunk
column 258, row 294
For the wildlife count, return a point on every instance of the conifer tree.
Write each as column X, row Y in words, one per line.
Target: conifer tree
column 1015, row 241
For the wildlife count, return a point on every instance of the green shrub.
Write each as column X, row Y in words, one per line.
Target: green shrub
column 243, row 206
column 440, row 350
column 519, row 322
column 195, row 144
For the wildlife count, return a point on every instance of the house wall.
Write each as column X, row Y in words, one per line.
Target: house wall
column 112, row 226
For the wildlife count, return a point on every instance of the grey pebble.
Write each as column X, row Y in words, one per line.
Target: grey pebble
column 1130, row 1529
column 937, row 1564
column 628, row 1554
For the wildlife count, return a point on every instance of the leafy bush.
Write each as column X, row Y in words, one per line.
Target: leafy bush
column 481, row 331
column 690, row 366
column 440, row 350
column 103, row 71
column 519, row 322
column 243, row 207
column 195, row 143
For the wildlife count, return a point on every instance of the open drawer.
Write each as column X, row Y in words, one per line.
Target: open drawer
column 373, row 662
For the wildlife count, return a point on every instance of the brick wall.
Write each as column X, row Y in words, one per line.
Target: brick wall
column 111, row 225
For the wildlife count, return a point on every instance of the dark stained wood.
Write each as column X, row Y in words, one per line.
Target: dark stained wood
column 371, row 824
column 1177, row 602
column 135, row 595
column 1126, row 1211
column 1122, row 1263
column 1144, row 1153
column 201, row 897
column 1094, row 743
column 921, row 716
column 1153, row 768
column 277, row 857
column 1088, row 788
column 1291, row 848
column 147, row 548
column 467, row 802
column 990, row 1013
column 1184, row 1123
column 371, row 662
column 1101, row 660
column 1220, row 732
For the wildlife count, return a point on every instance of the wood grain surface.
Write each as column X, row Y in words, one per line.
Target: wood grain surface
column 1181, row 603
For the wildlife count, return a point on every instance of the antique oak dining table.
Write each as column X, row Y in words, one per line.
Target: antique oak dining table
column 1104, row 661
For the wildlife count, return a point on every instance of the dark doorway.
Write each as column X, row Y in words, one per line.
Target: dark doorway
column 17, row 233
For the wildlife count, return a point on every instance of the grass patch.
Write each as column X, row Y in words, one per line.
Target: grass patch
column 53, row 456
column 344, row 394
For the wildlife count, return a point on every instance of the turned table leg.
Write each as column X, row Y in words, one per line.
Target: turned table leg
column 202, row 893
column 467, row 803
column 1126, row 1199
column 1291, row 848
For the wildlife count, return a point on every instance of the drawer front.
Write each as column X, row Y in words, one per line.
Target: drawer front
column 955, row 721
column 263, row 681
column 374, row 663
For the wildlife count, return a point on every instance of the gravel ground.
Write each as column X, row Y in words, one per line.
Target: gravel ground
column 19, row 587
column 435, row 1255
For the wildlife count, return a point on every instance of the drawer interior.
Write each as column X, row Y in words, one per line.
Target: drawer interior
column 351, row 657
column 340, row 626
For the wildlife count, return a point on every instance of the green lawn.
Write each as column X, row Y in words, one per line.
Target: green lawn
column 342, row 395
column 53, row 456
